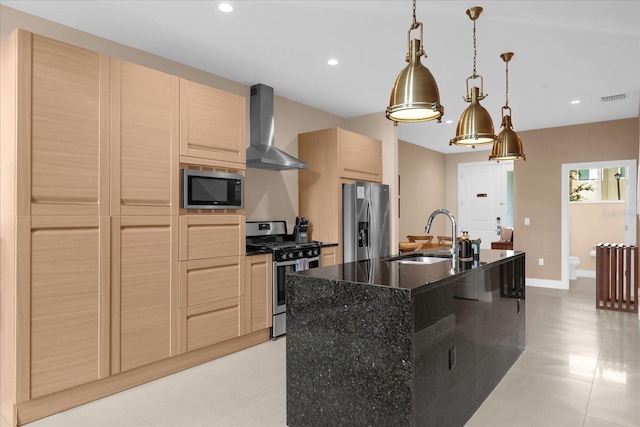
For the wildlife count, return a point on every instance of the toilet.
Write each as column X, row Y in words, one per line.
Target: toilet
column 574, row 262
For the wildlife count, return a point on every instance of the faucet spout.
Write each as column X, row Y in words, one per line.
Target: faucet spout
column 454, row 232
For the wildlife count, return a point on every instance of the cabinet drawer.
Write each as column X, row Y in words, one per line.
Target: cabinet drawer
column 329, row 255
column 213, row 323
column 211, row 236
column 209, row 280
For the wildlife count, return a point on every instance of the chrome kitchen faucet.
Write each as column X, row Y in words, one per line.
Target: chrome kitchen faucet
column 454, row 233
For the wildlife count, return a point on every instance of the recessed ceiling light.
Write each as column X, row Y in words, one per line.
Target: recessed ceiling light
column 332, row 61
column 575, row 101
column 448, row 121
column 225, row 7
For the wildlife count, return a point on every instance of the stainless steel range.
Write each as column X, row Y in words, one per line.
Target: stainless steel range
column 288, row 256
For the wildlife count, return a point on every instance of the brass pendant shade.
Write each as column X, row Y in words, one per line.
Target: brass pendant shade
column 475, row 126
column 415, row 96
column 508, row 146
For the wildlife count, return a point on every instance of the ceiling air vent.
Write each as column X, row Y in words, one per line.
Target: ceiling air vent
column 618, row 97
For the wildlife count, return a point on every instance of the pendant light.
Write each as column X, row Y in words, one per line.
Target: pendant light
column 508, row 146
column 415, row 96
column 475, row 126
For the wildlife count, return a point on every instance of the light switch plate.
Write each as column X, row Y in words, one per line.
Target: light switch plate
column 527, row 221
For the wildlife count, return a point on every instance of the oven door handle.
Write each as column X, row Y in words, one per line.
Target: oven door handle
column 285, row 263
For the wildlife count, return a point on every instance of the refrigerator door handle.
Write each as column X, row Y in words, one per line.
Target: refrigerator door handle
column 370, row 220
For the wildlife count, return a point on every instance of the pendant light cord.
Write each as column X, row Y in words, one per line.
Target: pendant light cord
column 507, row 84
column 474, row 50
column 415, row 22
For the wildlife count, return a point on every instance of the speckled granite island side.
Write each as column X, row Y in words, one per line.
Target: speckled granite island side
column 379, row 343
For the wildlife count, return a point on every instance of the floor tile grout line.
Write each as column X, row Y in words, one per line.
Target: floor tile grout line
column 595, row 371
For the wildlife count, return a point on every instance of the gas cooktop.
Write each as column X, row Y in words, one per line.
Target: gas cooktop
column 281, row 245
column 272, row 235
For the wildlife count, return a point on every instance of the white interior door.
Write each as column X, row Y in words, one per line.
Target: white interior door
column 482, row 200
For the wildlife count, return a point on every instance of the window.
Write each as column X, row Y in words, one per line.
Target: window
column 593, row 185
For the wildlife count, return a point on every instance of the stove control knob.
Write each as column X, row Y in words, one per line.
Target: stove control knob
column 290, row 255
column 300, row 254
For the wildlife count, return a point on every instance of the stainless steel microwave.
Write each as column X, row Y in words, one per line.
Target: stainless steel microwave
column 211, row 190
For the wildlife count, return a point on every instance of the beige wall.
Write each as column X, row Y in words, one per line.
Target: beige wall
column 537, row 182
column 590, row 224
column 272, row 194
column 422, row 190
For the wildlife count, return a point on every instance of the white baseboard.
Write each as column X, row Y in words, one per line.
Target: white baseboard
column 586, row 273
column 545, row 283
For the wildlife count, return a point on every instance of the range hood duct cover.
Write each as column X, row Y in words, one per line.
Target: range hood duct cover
column 262, row 153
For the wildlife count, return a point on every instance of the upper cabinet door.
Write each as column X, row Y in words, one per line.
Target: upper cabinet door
column 360, row 157
column 212, row 125
column 68, row 139
column 144, row 140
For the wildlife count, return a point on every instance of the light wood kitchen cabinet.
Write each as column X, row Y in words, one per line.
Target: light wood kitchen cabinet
column 144, row 140
column 359, row 157
column 212, row 279
column 144, row 282
column 259, row 292
column 91, row 228
column 212, row 126
column 63, row 108
column 210, row 236
column 67, row 279
column 213, row 323
column 328, row 256
column 335, row 156
column 55, row 245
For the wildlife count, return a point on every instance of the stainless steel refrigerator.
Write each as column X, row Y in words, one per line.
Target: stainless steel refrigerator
column 365, row 221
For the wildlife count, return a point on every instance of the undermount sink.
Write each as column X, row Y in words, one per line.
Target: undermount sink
column 420, row 258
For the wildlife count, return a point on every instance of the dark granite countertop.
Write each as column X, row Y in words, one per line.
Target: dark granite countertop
column 381, row 272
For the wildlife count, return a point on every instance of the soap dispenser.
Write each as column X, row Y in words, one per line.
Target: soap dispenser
column 466, row 251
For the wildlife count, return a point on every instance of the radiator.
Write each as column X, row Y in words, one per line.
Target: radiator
column 617, row 277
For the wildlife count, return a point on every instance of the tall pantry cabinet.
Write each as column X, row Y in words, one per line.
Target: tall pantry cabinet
column 92, row 296
column 55, row 217
column 144, row 207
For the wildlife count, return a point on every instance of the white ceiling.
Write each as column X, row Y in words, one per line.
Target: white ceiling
column 564, row 50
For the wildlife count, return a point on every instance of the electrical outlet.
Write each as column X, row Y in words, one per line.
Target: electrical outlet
column 452, row 357
column 527, row 221
column 540, row 261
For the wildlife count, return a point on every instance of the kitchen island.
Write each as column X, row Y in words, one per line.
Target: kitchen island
column 383, row 343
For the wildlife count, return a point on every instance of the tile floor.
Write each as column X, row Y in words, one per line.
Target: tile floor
column 581, row 367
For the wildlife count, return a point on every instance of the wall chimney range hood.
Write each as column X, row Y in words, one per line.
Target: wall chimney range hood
column 262, row 154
